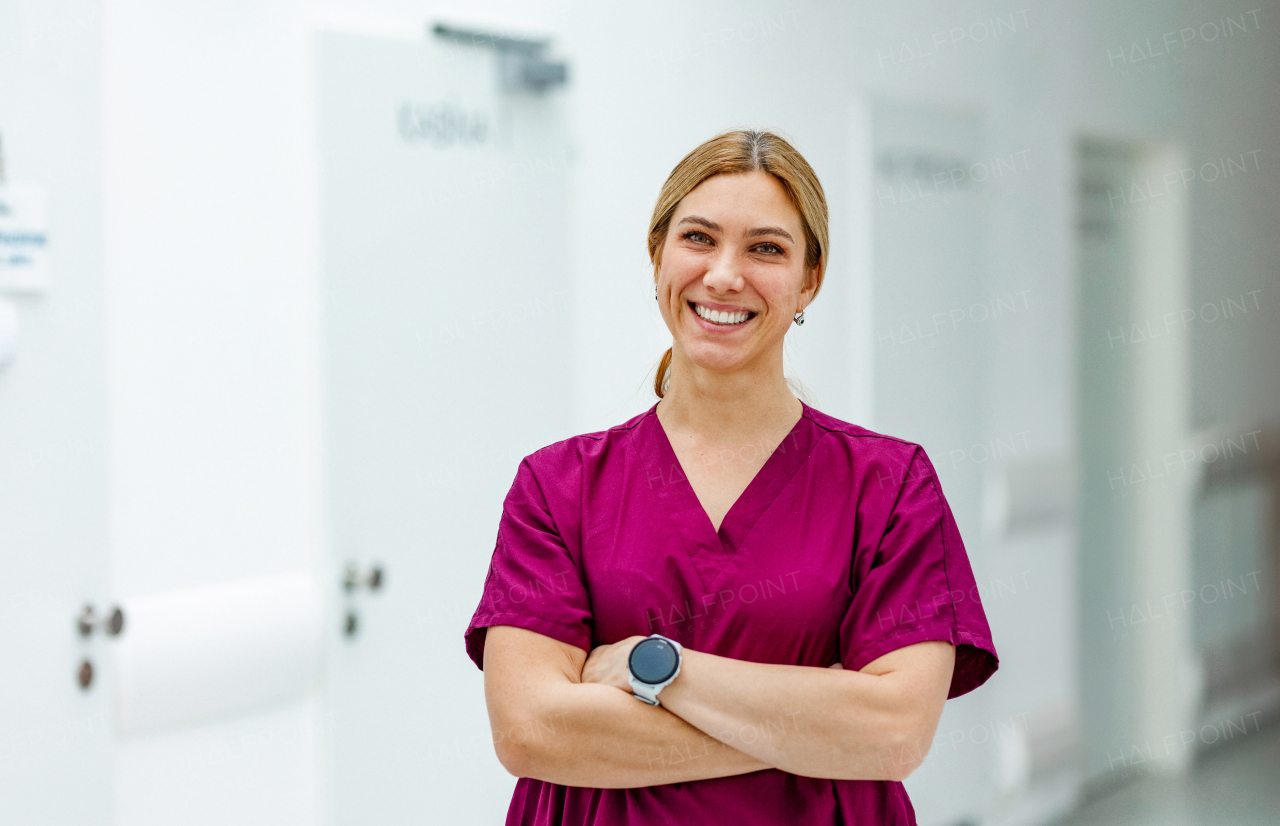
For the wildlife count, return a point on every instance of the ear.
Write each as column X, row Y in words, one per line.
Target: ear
column 810, row 286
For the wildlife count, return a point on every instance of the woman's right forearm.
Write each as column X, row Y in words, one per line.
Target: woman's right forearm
column 586, row 734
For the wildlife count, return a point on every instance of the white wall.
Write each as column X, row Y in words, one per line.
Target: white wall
column 55, row 741
column 1215, row 99
column 212, row 363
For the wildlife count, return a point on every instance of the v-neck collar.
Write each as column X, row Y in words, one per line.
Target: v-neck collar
column 708, row 549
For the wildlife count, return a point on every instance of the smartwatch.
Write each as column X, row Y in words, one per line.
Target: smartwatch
column 654, row 663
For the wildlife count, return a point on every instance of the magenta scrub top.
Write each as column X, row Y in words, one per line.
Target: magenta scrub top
column 841, row 548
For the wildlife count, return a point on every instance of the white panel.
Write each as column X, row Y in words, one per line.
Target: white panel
column 217, row 650
column 1169, row 682
column 447, row 338
column 929, row 263
column 861, row 268
column 56, row 757
column 1028, row 494
column 8, row 332
column 255, row 768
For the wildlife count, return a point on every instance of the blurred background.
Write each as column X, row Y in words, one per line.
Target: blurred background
column 289, row 287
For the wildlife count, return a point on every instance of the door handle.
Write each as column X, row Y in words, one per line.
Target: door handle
column 87, row 621
column 354, row 579
column 111, row 624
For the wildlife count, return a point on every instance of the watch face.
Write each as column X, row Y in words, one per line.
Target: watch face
column 653, row 661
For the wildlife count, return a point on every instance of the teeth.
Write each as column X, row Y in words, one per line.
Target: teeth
column 718, row 317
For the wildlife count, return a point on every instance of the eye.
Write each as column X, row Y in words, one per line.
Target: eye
column 701, row 237
column 770, row 249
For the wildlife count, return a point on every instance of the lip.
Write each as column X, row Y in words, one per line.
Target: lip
column 722, row 329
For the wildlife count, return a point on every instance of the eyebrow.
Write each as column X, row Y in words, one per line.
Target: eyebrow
column 758, row 231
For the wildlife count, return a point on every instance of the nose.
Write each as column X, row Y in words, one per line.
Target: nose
column 723, row 275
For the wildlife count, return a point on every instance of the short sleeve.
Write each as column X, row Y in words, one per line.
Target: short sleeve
column 533, row 580
column 913, row 583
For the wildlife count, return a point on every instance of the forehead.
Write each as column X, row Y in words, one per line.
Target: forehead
column 742, row 197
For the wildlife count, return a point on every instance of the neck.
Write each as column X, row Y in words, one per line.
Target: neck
column 728, row 407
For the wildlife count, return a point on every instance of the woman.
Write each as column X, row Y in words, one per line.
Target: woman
column 787, row 592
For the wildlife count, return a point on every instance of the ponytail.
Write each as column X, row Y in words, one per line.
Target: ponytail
column 663, row 378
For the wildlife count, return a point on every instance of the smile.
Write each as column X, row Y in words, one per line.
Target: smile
column 719, row 317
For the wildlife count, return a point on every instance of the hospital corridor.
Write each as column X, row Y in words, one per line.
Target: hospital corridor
column 335, row 334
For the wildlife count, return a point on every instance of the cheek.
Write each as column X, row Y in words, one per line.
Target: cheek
column 778, row 293
column 680, row 265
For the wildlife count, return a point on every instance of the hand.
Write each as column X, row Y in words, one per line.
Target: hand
column 607, row 664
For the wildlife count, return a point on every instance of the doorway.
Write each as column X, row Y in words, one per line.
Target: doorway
column 1140, row 676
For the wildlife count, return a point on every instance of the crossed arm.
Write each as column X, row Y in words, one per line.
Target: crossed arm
column 565, row 717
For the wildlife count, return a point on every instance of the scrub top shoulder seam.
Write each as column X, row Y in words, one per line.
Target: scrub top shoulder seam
column 942, row 528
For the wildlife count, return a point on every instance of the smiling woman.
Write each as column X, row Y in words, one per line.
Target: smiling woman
column 808, row 702
column 747, row 175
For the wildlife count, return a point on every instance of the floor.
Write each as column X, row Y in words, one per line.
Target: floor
column 1233, row 786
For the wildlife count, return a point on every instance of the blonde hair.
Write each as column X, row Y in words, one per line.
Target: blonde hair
column 738, row 151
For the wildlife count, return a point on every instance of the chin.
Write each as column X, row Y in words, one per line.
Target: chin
column 718, row 362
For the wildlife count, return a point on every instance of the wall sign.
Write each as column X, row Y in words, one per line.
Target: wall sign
column 24, row 239
column 443, row 125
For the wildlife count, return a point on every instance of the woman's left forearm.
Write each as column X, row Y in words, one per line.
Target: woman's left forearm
column 815, row 722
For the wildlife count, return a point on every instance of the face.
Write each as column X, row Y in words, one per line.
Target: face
column 732, row 276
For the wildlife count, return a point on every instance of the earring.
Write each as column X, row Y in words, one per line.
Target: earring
column 799, row 319
column 655, row 291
